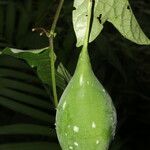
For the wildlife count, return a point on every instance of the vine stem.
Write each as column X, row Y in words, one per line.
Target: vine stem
column 52, row 31
column 51, row 51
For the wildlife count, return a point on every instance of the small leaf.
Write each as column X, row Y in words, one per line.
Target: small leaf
column 27, row 129
column 63, row 71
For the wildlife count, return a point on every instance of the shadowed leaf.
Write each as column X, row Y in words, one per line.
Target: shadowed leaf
column 27, row 129
column 30, row 146
column 27, row 110
column 38, row 59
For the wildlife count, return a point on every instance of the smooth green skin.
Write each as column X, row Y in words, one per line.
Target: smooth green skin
column 86, row 117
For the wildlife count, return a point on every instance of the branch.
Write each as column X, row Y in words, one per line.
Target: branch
column 51, row 51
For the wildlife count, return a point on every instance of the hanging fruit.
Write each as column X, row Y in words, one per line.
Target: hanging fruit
column 86, row 117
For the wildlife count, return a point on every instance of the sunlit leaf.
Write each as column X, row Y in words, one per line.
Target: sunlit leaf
column 80, row 18
column 118, row 12
column 122, row 17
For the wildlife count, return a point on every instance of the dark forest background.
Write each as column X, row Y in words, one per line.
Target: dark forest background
column 122, row 67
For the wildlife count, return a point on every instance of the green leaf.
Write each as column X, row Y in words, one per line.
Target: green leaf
column 80, row 21
column 21, row 92
column 122, row 17
column 24, row 21
column 38, row 59
column 10, row 20
column 27, row 110
column 7, row 61
column 21, row 86
column 5, row 72
column 63, row 71
column 30, row 146
column 27, row 129
column 118, row 12
column 1, row 19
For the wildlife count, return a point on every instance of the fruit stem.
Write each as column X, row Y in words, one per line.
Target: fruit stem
column 87, row 34
column 84, row 60
column 51, row 51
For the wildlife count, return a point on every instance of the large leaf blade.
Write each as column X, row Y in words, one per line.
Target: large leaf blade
column 17, row 74
column 10, row 21
column 30, row 146
column 118, row 12
column 122, row 17
column 24, row 97
column 21, row 86
column 1, row 19
column 27, row 110
column 27, row 129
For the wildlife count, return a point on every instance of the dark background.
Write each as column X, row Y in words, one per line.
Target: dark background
column 122, row 66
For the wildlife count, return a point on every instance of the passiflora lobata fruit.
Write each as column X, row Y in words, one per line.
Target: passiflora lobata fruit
column 86, row 117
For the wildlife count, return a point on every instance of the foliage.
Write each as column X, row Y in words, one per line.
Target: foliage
column 117, row 12
column 20, row 92
column 40, row 60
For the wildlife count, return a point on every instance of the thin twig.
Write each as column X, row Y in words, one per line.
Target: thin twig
column 51, row 51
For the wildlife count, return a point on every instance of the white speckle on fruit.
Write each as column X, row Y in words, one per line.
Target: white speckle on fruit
column 97, row 141
column 103, row 90
column 93, row 125
column 76, row 129
column 82, row 94
column 68, row 126
column 64, row 105
column 76, row 144
column 70, row 147
column 88, row 82
column 81, row 80
column 65, row 134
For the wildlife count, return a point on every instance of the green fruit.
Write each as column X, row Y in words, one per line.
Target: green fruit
column 86, row 117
